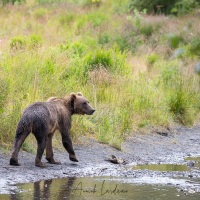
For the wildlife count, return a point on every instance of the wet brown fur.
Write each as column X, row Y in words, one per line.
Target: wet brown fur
column 43, row 119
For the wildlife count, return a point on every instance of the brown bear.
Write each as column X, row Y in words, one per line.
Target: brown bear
column 43, row 119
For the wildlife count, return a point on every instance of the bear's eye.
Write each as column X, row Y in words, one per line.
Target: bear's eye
column 85, row 103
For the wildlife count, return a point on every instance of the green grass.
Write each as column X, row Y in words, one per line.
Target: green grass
column 47, row 51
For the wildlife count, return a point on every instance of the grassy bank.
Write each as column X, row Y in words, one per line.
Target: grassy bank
column 137, row 70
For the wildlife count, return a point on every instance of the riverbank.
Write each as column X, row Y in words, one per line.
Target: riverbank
column 139, row 149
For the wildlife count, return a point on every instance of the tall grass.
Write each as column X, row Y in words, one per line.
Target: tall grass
column 72, row 46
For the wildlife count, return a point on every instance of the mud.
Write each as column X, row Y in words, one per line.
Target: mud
column 180, row 147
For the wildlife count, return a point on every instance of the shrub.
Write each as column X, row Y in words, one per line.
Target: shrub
column 109, row 60
column 169, row 74
column 183, row 103
column 150, row 5
column 169, row 6
column 104, row 38
column 100, row 58
column 180, row 94
column 184, row 6
column 48, row 68
column 141, row 26
column 18, row 43
column 66, row 19
column 34, row 41
column 77, row 48
column 127, row 39
column 194, row 46
column 146, row 29
column 4, row 2
column 151, row 59
column 40, row 13
column 96, row 18
column 174, row 40
column 23, row 42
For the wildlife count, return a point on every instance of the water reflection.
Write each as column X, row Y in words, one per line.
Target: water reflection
column 47, row 190
column 95, row 188
column 65, row 190
column 42, row 193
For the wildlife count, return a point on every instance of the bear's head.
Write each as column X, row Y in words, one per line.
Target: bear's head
column 80, row 104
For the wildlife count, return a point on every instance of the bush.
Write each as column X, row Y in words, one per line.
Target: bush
column 151, row 59
column 128, row 38
column 109, row 60
column 18, row 43
column 23, row 42
column 74, row 49
column 146, row 29
column 194, row 46
column 174, row 40
column 140, row 25
column 96, row 18
column 182, row 100
column 66, row 19
column 12, row 1
column 150, row 5
column 183, row 103
column 169, row 6
column 184, row 6
column 34, row 41
column 104, row 38
column 100, row 58
column 40, row 13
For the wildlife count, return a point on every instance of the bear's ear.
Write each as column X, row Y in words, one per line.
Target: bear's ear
column 73, row 96
column 72, row 99
column 79, row 94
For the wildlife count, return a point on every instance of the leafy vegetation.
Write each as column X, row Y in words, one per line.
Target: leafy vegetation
column 136, row 69
column 177, row 7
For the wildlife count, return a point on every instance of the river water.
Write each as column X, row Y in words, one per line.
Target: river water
column 92, row 188
column 145, row 187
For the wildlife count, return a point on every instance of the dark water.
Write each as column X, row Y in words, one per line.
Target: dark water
column 96, row 188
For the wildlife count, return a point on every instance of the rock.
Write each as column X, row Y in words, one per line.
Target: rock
column 197, row 68
column 116, row 160
column 190, row 164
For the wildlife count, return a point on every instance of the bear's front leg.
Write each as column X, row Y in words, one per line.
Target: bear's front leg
column 73, row 158
column 67, row 143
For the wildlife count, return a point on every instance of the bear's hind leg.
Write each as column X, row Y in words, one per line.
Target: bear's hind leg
column 41, row 144
column 49, row 150
column 40, row 151
column 19, row 139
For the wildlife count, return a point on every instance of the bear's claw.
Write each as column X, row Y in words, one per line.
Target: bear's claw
column 73, row 158
column 14, row 162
